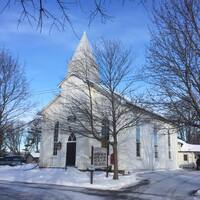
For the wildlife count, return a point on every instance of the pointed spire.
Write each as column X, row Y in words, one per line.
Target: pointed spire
column 82, row 48
column 81, row 60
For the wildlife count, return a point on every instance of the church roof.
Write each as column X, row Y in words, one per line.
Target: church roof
column 75, row 68
column 129, row 103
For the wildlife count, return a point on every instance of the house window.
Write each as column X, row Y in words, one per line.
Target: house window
column 55, row 141
column 169, row 145
column 155, row 140
column 138, row 146
column 185, row 157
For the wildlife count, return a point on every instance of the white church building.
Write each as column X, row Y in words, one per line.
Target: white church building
column 140, row 147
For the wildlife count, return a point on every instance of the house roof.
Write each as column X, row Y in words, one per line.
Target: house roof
column 35, row 154
column 186, row 147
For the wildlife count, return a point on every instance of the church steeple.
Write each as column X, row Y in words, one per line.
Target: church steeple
column 83, row 62
column 82, row 48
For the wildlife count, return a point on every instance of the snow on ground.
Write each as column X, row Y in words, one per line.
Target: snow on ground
column 70, row 177
column 197, row 193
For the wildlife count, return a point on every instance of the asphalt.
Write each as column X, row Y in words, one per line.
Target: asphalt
column 160, row 185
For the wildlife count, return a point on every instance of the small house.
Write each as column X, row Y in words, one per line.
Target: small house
column 32, row 157
column 187, row 154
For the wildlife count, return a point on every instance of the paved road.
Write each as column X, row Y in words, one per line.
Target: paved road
column 177, row 185
column 172, row 185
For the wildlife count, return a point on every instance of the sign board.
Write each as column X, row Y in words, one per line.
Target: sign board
column 100, row 157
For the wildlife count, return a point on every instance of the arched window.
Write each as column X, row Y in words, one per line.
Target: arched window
column 55, row 141
column 72, row 138
column 105, row 127
column 169, row 145
column 105, row 132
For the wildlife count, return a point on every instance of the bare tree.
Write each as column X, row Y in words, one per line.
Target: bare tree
column 34, row 135
column 13, row 137
column 13, row 93
column 174, row 61
column 190, row 134
column 58, row 13
column 100, row 102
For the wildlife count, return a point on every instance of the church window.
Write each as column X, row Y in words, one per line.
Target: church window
column 155, row 140
column 138, row 153
column 169, row 145
column 170, row 155
column 71, row 118
column 105, row 132
column 72, row 138
column 56, row 130
column 169, row 140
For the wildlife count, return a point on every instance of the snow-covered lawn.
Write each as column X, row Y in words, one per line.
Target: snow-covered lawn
column 69, row 177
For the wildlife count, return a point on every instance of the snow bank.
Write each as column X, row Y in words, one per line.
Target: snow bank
column 71, row 177
column 197, row 193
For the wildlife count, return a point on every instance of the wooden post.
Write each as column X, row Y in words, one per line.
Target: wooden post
column 91, row 170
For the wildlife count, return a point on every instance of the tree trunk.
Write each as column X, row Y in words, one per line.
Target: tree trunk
column 1, row 142
column 115, row 153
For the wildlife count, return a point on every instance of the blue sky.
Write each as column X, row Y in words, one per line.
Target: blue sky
column 45, row 56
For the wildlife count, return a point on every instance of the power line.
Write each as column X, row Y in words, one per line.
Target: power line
column 128, row 78
column 45, row 91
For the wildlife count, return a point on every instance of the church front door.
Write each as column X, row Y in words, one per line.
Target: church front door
column 71, row 151
column 71, row 154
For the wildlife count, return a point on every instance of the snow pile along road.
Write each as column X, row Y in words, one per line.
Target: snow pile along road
column 197, row 193
column 70, row 177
